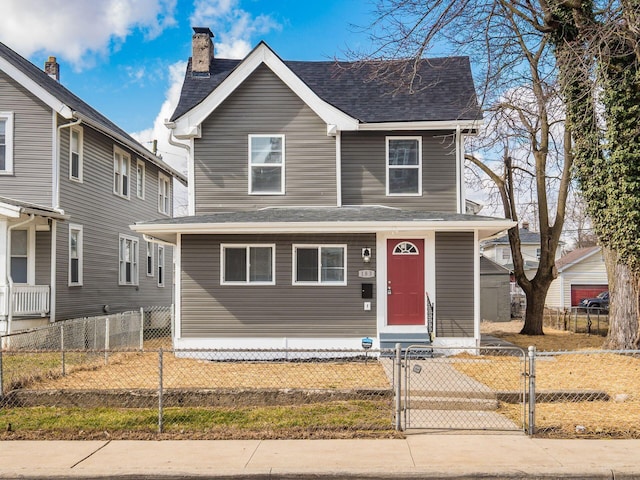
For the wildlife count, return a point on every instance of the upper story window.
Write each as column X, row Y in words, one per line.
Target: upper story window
column 6, row 142
column 75, row 154
column 266, row 164
column 121, row 172
column 319, row 264
column 506, row 253
column 140, row 179
column 75, row 255
column 164, row 194
column 250, row 264
column 404, row 165
column 128, row 267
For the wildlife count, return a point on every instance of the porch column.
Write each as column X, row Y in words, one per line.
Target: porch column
column 4, row 287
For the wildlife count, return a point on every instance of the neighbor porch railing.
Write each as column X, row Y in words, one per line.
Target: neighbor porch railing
column 30, row 299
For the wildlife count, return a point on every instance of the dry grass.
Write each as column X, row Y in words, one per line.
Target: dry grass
column 617, row 375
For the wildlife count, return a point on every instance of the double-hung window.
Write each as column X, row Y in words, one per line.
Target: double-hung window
column 319, row 264
column 19, row 256
column 75, row 154
column 121, row 172
column 75, row 255
column 248, row 264
column 266, row 164
column 160, row 266
column 128, row 268
column 149, row 259
column 404, row 166
column 6, row 143
column 164, row 192
column 140, row 180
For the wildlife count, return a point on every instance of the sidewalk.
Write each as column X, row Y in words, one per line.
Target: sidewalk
column 417, row 456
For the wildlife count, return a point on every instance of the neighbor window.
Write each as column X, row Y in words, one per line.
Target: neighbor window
column 6, row 142
column 140, row 172
column 506, row 253
column 149, row 259
column 75, row 154
column 321, row 264
column 266, row 164
column 75, row 255
column 164, row 192
column 19, row 256
column 121, row 169
column 128, row 270
column 404, row 165
column 160, row 266
column 250, row 264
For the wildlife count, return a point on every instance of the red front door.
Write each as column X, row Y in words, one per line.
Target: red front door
column 405, row 282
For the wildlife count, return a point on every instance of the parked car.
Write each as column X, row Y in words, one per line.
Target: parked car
column 600, row 302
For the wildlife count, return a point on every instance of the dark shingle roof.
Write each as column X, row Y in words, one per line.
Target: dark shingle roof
column 443, row 88
column 319, row 215
column 526, row 237
column 62, row 94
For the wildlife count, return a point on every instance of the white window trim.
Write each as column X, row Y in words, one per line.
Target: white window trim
column 282, row 165
column 80, row 132
column 160, row 266
column 80, row 230
column 136, row 247
column 417, row 167
column 317, row 246
column 153, row 263
column 163, row 178
column 247, row 247
column 120, row 188
column 8, row 118
column 141, row 167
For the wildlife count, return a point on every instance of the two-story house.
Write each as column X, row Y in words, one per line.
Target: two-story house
column 326, row 204
column 71, row 182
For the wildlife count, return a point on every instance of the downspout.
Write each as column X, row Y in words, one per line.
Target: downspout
column 460, row 168
column 191, row 207
column 9, row 279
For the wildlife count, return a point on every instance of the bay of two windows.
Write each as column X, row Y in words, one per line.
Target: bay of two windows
column 254, row 264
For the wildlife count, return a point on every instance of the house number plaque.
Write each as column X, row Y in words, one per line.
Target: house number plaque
column 366, row 273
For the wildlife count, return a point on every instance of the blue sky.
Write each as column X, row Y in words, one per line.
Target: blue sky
column 126, row 58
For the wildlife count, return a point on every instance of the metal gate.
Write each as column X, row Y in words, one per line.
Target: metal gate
column 449, row 388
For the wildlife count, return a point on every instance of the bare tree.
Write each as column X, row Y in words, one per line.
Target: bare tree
column 516, row 76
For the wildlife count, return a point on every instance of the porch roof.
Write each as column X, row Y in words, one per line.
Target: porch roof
column 350, row 219
column 10, row 207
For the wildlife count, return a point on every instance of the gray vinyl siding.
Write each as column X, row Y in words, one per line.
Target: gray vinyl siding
column 364, row 171
column 32, row 145
column 43, row 258
column 454, row 284
column 263, row 105
column 104, row 216
column 282, row 310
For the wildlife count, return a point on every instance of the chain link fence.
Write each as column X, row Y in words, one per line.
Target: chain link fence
column 217, row 394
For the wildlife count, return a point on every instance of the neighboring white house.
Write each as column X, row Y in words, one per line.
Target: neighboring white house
column 581, row 274
column 498, row 250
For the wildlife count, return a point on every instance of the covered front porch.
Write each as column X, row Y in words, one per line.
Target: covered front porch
column 27, row 264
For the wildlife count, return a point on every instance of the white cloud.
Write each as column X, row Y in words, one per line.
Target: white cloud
column 232, row 26
column 174, row 156
column 77, row 30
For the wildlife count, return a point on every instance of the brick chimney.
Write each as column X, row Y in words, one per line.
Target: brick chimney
column 201, row 51
column 52, row 68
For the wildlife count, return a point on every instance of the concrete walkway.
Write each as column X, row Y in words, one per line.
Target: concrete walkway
column 417, row 456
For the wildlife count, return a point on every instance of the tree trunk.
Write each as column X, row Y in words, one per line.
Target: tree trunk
column 534, row 314
column 624, row 290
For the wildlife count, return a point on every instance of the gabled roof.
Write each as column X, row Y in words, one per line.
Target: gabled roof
column 576, row 256
column 489, row 267
column 443, row 90
column 67, row 104
column 527, row 237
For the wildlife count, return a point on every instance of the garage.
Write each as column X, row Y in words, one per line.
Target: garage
column 578, row 292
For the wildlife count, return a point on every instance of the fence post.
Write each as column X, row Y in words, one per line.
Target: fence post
column 160, row 399
column 106, row 341
column 62, row 347
column 1, row 376
column 141, row 328
column 532, row 390
column 398, row 375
